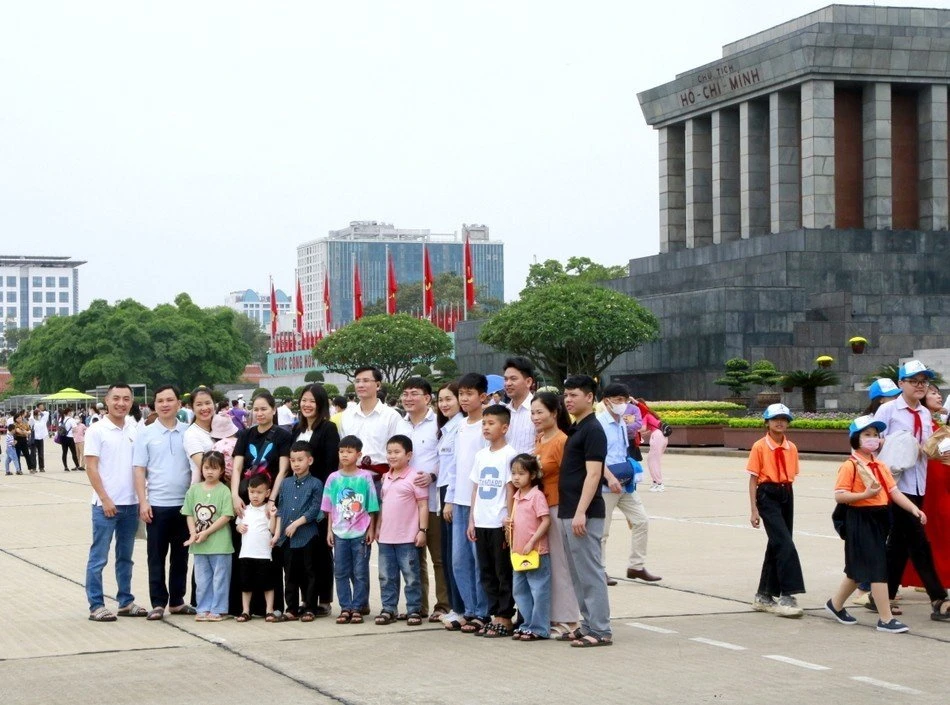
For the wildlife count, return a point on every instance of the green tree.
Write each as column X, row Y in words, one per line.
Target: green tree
column 331, row 389
column 582, row 269
column 178, row 343
column 259, row 390
column 283, row 392
column 394, row 344
column 809, row 381
column 250, row 332
column 570, row 327
column 313, row 376
column 449, row 290
column 737, row 377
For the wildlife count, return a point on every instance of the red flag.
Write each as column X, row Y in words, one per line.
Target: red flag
column 428, row 295
column 392, row 288
column 469, row 276
column 299, row 309
column 357, row 293
column 273, row 312
column 326, row 301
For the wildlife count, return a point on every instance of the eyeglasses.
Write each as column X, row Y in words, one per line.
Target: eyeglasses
column 918, row 382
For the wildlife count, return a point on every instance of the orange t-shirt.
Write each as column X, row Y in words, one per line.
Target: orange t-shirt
column 849, row 480
column 764, row 464
column 549, row 454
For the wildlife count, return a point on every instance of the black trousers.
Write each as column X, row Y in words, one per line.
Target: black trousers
column 781, row 569
column 69, row 444
column 494, row 565
column 300, row 576
column 25, row 450
column 39, row 452
column 324, row 558
column 167, row 535
column 908, row 540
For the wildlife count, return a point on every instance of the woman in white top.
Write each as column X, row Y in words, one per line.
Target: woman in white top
column 68, row 443
column 197, row 439
column 449, row 417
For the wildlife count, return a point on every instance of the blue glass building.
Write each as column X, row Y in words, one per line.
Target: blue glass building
column 367, row 243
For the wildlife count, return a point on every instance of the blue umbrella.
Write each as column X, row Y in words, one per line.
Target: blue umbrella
column 496, row 383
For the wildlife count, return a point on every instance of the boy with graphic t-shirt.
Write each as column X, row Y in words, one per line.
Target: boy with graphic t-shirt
column 491, row 497
column 350, row 501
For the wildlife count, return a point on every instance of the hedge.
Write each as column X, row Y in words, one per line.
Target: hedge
column 661, row 406
column 804, row 424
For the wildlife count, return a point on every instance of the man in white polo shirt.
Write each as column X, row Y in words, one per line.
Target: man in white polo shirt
column 39, row 422
column 519, row 378
column 115, row 509
column 372, row 421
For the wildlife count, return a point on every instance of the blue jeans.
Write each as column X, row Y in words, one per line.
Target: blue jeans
column 123, row 525
column 465, row 566
column 213, row 578
column 532, row 589
column 351, row 570
column 11, row 459
column 396, row 558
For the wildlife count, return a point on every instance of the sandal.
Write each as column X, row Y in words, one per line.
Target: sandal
column 413, row 619
column 289, row 616
column 572, row 635
column 101, row 614
column 183, row 609
column 356, row 618
column 453, row 625
column 307, row 616
column 322, row 611
column 242, row 618
column 345, row 617
column 270, row 617
column 132, row 610
column 472, row 626
column 895, row 608
column 589, row 640
column 497, row 631
column 531, row 636
column 436, row 617
column 384, row 618
column 940, row 610
column 156, row 614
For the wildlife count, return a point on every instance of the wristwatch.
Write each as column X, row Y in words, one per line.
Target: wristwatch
column 425, row 531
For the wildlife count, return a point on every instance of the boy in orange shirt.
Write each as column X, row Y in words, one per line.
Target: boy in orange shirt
column 865, row 484
column 773, row 465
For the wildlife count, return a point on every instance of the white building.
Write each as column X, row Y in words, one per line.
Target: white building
column 257, row 307
column 33, row 289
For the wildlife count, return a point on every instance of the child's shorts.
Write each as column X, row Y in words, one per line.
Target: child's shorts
column 257, row 574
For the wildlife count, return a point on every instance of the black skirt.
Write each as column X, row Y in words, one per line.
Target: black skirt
column 865, row 555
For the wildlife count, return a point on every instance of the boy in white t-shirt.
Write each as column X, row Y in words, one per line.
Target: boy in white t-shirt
column 491, row 497
column 257, row 531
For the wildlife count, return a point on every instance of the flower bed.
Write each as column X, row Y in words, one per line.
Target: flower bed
column 810, row 424
column 669, row 406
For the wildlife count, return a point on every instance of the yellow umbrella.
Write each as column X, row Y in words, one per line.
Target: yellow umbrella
column 68, row 394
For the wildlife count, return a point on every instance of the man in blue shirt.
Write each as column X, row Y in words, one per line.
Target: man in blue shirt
column 162, row 477
column 298, row 514
column 622, row 495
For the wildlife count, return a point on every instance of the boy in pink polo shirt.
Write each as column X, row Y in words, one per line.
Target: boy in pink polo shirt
column 403, row 524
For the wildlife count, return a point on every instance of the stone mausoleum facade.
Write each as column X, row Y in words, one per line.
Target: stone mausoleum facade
column 804, row 199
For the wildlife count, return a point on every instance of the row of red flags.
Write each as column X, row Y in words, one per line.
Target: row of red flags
column 447, row 319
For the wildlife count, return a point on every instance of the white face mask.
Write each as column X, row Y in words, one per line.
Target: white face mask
column 871, row 444
column 618, row 409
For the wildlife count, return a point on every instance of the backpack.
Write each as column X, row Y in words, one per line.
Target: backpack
column 60, row 432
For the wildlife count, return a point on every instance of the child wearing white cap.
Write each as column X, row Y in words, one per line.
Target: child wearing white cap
column 866, row 486
column 772, row 467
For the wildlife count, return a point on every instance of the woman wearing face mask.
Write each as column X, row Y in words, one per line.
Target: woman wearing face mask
column 936, row 501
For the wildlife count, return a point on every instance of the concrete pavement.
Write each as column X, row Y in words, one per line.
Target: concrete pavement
column 690, row 638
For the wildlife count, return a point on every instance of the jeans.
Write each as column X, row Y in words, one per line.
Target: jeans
column 213, row 575
column 11, row 459
column 455, row 597
column 465, row 566
column 590, row 586
column 351, row 570
column 165, row 535
column 396, row 558
column 532, row 590
column 781, row 567
column 123, row 525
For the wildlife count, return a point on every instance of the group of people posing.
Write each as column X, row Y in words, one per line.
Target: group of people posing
column 887, row 515
column 510, row 503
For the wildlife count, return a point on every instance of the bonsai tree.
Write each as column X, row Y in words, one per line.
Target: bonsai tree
column 809, row 381
column 313, row 376
column 765, row 374
column 283, row 392
column 738, row 376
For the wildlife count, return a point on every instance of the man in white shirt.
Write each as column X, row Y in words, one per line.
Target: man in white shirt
column 39, row 422
column 417, row 401
column 285, row 415
column 519, row 380
column 115, row 509
column 372, row 421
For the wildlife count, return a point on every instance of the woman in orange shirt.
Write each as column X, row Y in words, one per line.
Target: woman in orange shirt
column 550, row 420
column 866, row 485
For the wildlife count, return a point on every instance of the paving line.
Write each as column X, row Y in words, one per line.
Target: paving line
column 651, row 628
column 795, row 662
column 681, row 520
column 888, row 686
column 720, row 644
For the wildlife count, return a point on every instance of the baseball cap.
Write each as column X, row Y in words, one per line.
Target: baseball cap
column 775, row 410
column 914, row 367
column 863, row 422
column 883, row 387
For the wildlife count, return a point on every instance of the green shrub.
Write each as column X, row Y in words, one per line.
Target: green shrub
column 667, row 406
column 809, row 424
column 711, row 420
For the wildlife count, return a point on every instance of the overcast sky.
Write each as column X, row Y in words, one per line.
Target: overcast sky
column 191, row 146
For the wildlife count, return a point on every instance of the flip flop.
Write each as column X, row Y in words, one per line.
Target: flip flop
column 132, row 610
column 101, row 614
column 183, row 609
column 589, row 640
column 156, row 614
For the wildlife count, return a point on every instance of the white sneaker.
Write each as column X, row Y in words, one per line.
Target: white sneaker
column 764, row 603
column 660, row 488
column 653, row 487
column 451, row 617
column 788, row 607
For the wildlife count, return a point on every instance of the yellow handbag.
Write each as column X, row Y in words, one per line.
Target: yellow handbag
column 521, row 561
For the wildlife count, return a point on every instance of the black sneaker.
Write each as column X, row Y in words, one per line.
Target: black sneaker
column 892, row 627
column 841, row 615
